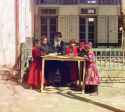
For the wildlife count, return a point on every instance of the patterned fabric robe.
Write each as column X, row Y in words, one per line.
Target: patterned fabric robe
column 92, row 74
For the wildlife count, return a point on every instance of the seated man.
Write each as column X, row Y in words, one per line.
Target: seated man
column 58, row 45
column 59, row 68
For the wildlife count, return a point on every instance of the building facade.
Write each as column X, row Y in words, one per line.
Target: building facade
column 83, row 20
column 123, row 10
column 97, row 21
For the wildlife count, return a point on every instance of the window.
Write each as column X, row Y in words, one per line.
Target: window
column 48, row 11
column 56, row 1
column 82, row 29
column 112, row 2
column 88, row 1
column 47, row 1
column 49, row 25
column 88, row 11
column 92, row 1
column 91, row 30
column 120, row 26
column 69, row 1
column 87, row 29
column 115, row 2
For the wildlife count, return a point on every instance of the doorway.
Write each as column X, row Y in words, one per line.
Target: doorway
column 49, row 25
column 87, row 31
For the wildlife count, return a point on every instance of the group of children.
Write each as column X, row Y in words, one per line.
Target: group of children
column 42, row 47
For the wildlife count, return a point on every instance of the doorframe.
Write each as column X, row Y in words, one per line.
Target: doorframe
column 95, row 32
column 48, row 17
column 48, row 28
column 38, row 18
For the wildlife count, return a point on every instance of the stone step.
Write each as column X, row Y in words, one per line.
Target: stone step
column 8, row 74
column 113, row 79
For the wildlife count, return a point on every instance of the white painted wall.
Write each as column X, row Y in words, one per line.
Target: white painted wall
column 7, row 32
column 8, row 28
column 25, row 19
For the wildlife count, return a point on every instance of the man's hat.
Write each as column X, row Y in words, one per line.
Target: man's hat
column 58, row 34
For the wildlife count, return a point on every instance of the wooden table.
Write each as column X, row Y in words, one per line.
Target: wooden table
column 62, row 58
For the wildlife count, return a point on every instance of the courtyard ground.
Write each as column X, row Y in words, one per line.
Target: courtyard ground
column 14, row 98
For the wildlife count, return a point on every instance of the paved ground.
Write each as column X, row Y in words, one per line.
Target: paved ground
column 14, row 98
column 111, row 96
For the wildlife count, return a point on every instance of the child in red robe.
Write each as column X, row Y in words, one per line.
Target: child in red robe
column 34, row 77
column 72, row 50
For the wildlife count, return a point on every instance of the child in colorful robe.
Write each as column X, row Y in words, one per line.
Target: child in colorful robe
column 35, row 71
column 72, row 50
column 92, row 79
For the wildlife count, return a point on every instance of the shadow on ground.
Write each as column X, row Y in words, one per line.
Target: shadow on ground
column 72, row 95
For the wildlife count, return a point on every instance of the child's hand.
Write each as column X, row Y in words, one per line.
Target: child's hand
column 86, row 57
